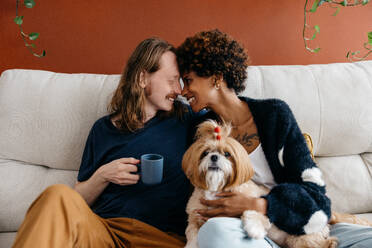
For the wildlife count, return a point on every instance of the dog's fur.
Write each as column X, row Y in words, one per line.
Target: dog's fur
column 221, row 164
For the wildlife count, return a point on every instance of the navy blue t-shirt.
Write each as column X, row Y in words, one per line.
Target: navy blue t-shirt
column 162, row 205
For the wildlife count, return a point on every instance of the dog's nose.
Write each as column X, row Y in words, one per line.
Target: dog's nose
column 214, row 158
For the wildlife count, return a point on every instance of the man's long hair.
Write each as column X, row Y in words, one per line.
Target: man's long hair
column 128, row 100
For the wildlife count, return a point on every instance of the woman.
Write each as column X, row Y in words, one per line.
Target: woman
column 111, row 207
column 213, row 69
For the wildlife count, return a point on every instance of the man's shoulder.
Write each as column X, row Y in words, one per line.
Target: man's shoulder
column 103, row 127
column 101, row 121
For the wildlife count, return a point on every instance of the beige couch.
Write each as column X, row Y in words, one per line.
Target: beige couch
column 45, row 118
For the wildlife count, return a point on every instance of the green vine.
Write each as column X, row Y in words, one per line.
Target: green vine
column 352, row 56
column 31, row 36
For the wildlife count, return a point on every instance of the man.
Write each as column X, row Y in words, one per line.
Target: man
column 111, row 207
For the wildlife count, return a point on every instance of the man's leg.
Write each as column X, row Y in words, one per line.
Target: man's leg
column 60, row 217
column 352, row 236
column 140, row 235
column 228, row 232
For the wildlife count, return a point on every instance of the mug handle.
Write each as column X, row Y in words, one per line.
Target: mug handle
column 138, row 170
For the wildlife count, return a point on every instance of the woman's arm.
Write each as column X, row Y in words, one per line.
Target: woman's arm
column 231, row 204
column 298, row 204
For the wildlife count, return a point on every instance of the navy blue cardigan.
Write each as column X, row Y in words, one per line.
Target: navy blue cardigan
column 297, row 204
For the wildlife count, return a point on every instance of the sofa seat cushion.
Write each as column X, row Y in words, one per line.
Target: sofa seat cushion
column 6, row 239
column 21, row 183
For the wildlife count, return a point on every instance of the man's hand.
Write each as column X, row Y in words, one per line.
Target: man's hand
column 232, row 204
column 119, row 171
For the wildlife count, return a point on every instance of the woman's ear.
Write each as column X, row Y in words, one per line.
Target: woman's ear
column 217, row 81
column 217, row 78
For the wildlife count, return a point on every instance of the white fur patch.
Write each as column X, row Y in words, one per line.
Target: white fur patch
column 313, row 175
column 216, row 179
column 316, row 223
column 280, row 156
column 255, row 224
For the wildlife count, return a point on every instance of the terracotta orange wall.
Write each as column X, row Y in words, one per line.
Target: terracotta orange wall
column 97, row 36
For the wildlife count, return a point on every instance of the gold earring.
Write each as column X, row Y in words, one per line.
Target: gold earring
column 217, row 86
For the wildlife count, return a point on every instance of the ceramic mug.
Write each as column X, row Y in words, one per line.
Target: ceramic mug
column 151, row 168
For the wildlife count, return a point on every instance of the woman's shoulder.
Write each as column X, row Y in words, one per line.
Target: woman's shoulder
column 270, row 109
column 266, row 103
column 268, row 106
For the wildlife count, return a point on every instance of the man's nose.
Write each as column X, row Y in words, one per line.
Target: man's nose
column 177, row 89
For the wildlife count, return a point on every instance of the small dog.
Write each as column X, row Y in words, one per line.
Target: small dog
column 217, row 162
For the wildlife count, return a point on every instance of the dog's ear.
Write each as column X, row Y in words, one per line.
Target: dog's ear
column 210, row 129
column 190, row 165
column 242, row 169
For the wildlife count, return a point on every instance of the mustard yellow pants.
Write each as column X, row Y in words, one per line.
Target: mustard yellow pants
column 60, row 217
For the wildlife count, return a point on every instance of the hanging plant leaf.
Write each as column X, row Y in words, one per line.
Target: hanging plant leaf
column 370, row 38
column 316, row 50
column 18, row 20
column 365, row 2
column 315, row 6
column 322, row 1
column 317, row 30
column 338, row 10
column 40, row 55
column 344, row 3
column 29, row 3
column 33, row 36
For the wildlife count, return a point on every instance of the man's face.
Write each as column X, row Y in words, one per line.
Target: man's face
column 163, row 86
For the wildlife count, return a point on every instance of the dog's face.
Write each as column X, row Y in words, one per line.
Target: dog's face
column 216, row 161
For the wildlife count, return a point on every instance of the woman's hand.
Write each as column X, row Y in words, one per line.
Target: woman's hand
column 232, row 204
column 119, row 171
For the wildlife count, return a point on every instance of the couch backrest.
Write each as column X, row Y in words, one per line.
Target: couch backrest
column 333, row 102
column 45, row 117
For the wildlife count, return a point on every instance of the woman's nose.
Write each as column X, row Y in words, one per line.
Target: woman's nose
column 184, row 91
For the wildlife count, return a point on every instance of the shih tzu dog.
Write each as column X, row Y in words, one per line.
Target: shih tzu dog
column 217, row 162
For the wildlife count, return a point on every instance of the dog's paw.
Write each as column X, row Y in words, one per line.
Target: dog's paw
column 254, row 230
column 255, row 224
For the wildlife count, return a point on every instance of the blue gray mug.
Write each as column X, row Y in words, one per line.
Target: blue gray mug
column 151, row 168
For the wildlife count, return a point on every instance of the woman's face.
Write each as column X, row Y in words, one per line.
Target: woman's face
column 199, row 91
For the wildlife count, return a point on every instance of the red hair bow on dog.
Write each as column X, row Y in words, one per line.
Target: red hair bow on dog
column 217, row 131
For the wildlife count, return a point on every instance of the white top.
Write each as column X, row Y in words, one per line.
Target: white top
column 262, row 172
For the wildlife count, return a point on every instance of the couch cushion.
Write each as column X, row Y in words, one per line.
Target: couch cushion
column 367, row 216
column 349, row 183
column 331, row 102
column 21, row 183
column 6, row 239
column 45, row 117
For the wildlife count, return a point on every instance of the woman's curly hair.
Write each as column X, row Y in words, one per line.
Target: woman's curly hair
column 214, row 53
